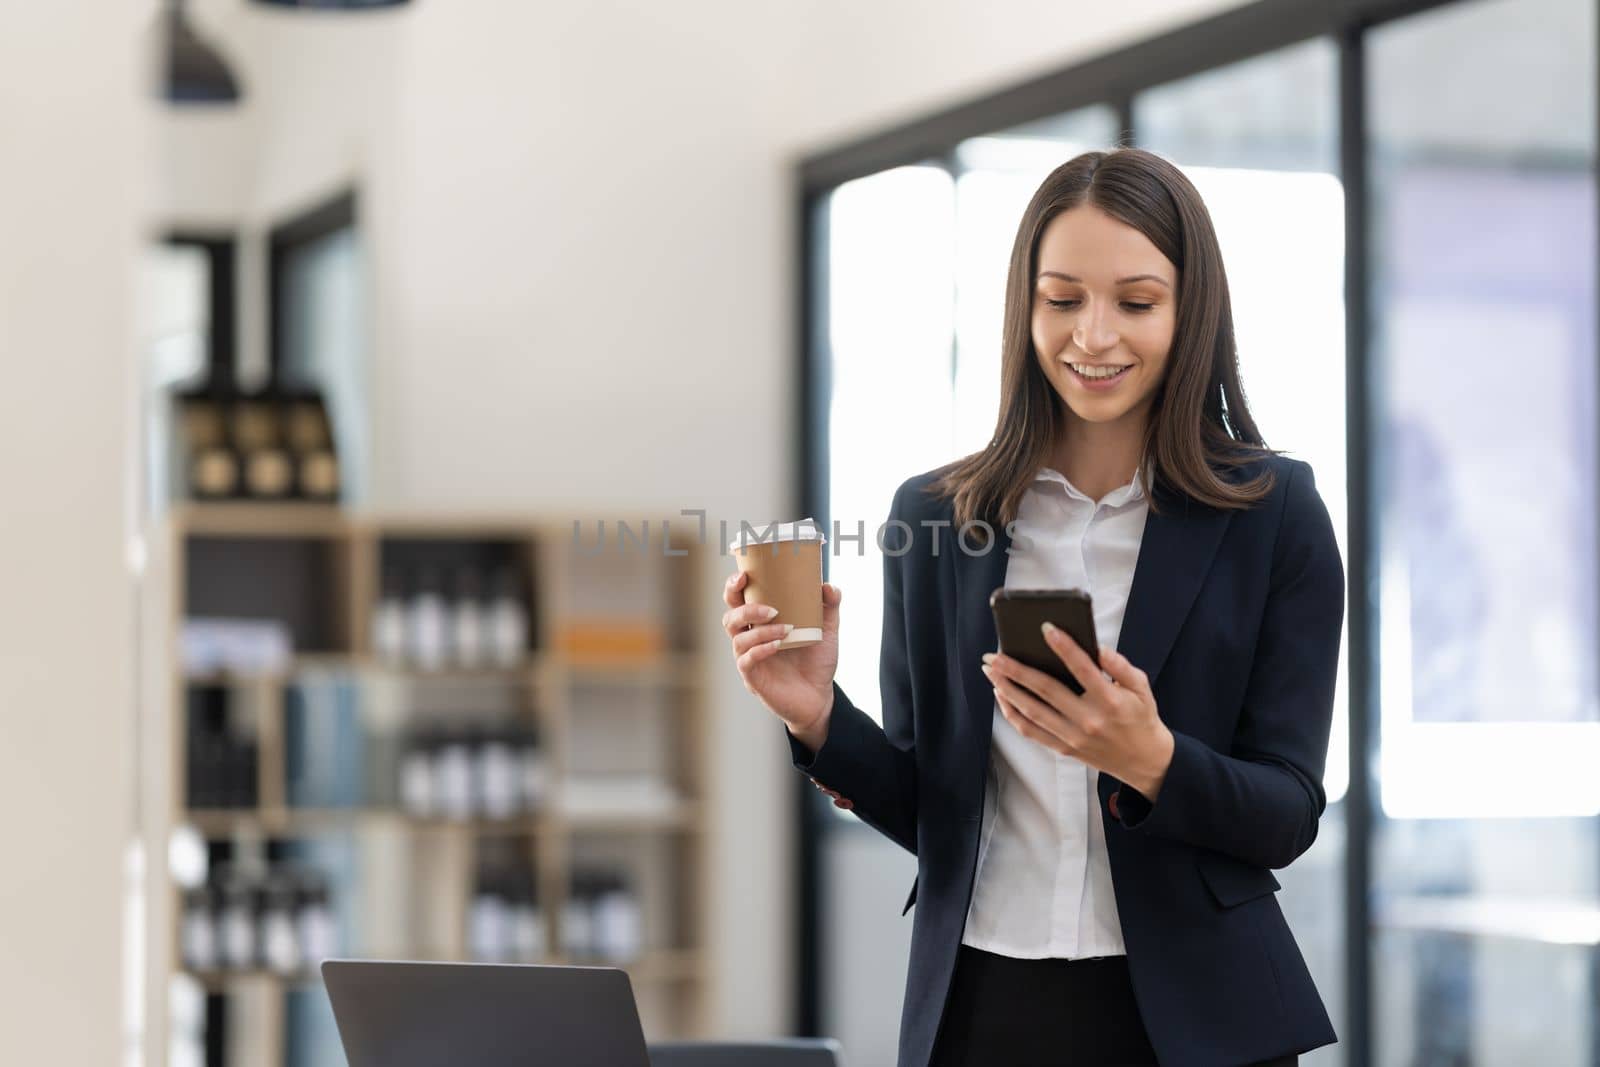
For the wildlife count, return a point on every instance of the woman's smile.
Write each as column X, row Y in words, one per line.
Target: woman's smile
column 1099, row 378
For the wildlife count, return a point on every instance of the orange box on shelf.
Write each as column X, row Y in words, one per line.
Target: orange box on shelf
column 610, row 641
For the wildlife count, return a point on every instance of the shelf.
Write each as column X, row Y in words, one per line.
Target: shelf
column 251, row 519
column 665, row 966
column 616, row 696
column 225, row 982
column 217, row 823
column 675, row 669
column 681, row 816
column 224, row 822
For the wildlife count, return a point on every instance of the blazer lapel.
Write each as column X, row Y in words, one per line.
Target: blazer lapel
column 1175, row 552
column 977, row 576
column 1174, row 555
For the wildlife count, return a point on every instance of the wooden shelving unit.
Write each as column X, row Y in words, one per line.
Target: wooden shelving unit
column 223, row 559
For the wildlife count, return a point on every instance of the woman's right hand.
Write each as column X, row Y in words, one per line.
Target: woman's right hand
column 796, row 684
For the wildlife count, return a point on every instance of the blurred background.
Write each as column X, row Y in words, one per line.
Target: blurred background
column 382, row 379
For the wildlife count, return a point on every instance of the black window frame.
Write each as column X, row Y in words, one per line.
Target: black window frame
column 336, row 213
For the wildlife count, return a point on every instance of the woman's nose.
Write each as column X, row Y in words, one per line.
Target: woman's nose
column 1093, row 333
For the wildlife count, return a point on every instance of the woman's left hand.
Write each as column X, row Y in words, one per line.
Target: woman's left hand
column 1113, row 726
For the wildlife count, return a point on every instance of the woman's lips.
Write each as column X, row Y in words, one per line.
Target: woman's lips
column 1100, row 385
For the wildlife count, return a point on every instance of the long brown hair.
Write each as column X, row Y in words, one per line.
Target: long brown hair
column 1200, row 430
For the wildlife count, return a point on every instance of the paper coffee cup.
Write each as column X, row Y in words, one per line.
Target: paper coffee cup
column 784, row 565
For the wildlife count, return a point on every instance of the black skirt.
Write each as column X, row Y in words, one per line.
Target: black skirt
column 1045, row 1013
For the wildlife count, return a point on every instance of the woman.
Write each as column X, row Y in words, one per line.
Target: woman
column 1095, row 872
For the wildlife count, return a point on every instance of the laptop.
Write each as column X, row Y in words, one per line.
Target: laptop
column 394, row 1014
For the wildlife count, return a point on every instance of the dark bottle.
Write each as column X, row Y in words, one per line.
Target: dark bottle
column 314, row 920
column 199, row 934
column 241, row 906
column 277, row 937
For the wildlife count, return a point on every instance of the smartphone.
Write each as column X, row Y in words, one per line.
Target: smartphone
column 1019, row 615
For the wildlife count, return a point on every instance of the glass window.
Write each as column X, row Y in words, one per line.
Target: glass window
column 1259, row 141
column 891, row 249
column 1483, row 298
column 1483, row 356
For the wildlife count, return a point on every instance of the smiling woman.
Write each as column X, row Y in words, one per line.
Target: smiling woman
column 1094, row 867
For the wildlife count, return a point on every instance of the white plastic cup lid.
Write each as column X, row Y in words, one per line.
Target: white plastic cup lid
column 769, row 533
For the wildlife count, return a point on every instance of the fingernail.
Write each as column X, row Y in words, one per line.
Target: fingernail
column 786, row 628
column 988, row 672
column 769, row 612
column 988, row 657
column 1049, row 629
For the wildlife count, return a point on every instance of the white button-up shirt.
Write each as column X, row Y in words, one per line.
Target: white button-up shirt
column 1043, row 887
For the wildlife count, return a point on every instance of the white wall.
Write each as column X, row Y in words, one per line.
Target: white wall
column 581, row 236
column 69, row 151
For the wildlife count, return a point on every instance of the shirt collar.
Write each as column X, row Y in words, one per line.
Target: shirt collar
column 1133, row 490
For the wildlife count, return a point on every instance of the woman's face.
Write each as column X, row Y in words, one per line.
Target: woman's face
column 1104, row 298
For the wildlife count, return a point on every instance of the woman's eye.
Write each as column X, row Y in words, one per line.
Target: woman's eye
column 1068, row 305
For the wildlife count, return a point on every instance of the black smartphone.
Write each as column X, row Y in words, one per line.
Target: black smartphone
column 1019, row 615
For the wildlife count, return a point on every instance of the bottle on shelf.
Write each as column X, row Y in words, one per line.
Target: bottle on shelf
column 213, row 465
column 497, row 775
column 310, row 440
column 426, row 626
column 277, row 936
column 243, row 756
column 206, row 752
column 221, row 759
column 199, row 936
column 258, row 436
column 278, row 918
column 528, row 939
column 240, row 907
column 314, row 924
column 453, row 777
column 469, row 622
column 389, row 622
column 490, row 921
column 419, row 795
column 617, row 924
column 508, row 625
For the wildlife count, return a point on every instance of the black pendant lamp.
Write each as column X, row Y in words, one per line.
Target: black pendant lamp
column 195, row 72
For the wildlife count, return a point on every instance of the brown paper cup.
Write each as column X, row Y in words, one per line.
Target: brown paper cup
column 784, row 564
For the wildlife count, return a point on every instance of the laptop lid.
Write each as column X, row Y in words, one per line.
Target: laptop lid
column 393, row 1014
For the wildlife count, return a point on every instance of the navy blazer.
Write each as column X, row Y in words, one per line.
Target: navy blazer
column 1236, row 617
